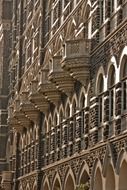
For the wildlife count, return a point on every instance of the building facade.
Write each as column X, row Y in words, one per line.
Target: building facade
column 67, row 109
column 5, row 29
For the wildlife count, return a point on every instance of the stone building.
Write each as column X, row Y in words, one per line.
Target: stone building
column 5, row 45
column 67, row 108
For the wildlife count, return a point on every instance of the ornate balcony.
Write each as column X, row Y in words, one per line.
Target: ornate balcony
column 12, row 120
column 47, row 88
column 19, row 115
column 61, row 78
column 36, row 98
column 76, row 55
column 27, row 107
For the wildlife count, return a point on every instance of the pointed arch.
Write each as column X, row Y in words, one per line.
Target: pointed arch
column 83, row 176
column 74, row 103
column 45, row 128
column 121, row 157
column 82, row 98
column 123, row 53
column 69, row 183
column 57, row 183
column 70, row 30
column 112, row 71
column 108, row 159
column 55, row 117
column 45, row 184
column 86, row 10
column 49, row 122
column 96, row 175
column 67, row 108
column 101, row 74
column 61, row 113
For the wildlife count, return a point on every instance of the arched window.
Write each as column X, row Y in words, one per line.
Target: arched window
column 68, row 111
column 100, row 89
column 74, row 107
column 82, row 107
column 112, row 107
column 111, row 83
column 124, row 84
column 55, row 120
column 61, row 116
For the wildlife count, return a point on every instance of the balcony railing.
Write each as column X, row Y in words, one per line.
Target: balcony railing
column 76, row 54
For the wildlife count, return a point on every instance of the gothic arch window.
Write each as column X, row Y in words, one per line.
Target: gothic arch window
column 49, row 123
column 61, row 114
column 100, row 93
column 57, row 185
column 112, row 94
column 124, row 82
column 55, row 119
column 82, row 104
column 69, row 182
column 100, row 89
column 45, row 184
column 84, row 179
column 111, row 83
column 74, row 106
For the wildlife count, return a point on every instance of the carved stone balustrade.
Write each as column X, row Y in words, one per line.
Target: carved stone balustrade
column 76, row 55
column 61, row 78
column 27, row 107
column 47, row 88
column 38, row 99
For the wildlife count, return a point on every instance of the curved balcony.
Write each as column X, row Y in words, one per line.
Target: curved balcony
column 76, row 54
column 12, row 119
column 47, row 88
column 36, row 98
column 19, row 115
column 59, row 77
column 27, row 107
